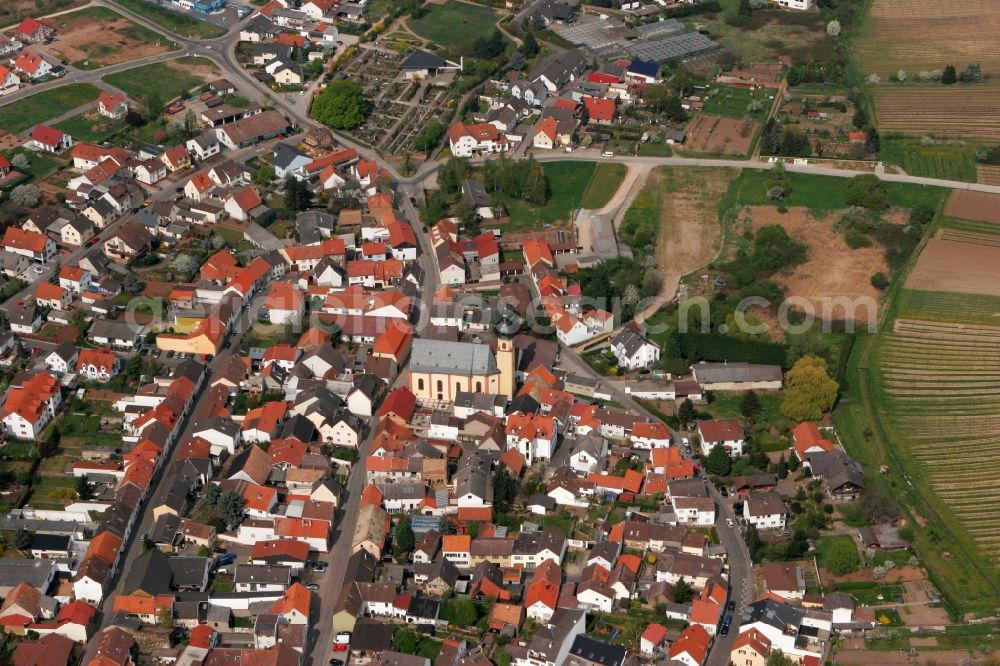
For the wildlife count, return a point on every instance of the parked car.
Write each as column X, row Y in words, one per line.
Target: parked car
column 218, row 550
column 228, row 558
column 730, row 524
column 312, row 587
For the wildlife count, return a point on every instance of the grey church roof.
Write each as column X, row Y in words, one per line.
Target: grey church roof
column 456, row 358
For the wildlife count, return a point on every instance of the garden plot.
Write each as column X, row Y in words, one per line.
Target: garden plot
column 722, row 136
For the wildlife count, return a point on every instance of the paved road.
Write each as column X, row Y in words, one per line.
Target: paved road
column 741, row 583
column 161, row 481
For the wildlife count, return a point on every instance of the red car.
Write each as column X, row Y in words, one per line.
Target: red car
column 339, row 647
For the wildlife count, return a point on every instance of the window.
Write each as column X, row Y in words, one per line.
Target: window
column 440, row 385
column 458, row 387
column 420, row 384
column 479, row 387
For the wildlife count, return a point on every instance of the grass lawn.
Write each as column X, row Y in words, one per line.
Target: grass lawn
column 169, row 81
column 91, row 130
column 868, row 594
column 826, row 543
column 570, row 185
column 454, row 25
column 603, row 184
column 659, row 149
column 53, row 489
column 823, row 192
column 175, row 22
column 40, row 164
column 949, row 162
column 729, row 102
column 30, row 111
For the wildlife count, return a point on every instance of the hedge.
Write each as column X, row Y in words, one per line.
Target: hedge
column 715, row 347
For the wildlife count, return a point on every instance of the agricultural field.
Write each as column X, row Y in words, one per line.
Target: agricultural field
column 960, row 111
column 175, row 22
column 928, row 407
column 38, row 108
column 97, row 37
column 950, row 161
column 974, row 206
column 915, row 35
column 175, row 78
column 572, row 185
column 454, row 25
column 988, row 174
column 720, row 136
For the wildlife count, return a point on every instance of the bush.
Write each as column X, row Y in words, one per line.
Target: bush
column 715, row 347
column 880, row 281
column 867, row 191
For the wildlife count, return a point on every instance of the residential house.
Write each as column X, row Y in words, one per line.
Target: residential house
column 727, row 433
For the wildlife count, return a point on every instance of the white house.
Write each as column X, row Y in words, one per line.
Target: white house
column 31, row 405
column 595, row 596
column 698, row 511
column 468, row 140
column 727, row 433
column 766, row 511
column 803, row 5
column 587, row 453
column 633, row 350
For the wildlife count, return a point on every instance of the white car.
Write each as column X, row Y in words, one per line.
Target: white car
column 730, row 524
column 343, row 638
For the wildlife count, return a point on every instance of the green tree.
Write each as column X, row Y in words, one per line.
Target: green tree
column 489, row 47
column 451, row 174
column 810, row 391
column 529, row 45
column 841, row 557
column 745, row 10
column 341, row 105
column 22, row 539
column 83, row 488
column 504, row 490
column 686, row 412
column 429, row 136
column 718, row 461
column 405, row 541
column 880, row 281
column 781, row 468
column 752, row 538
column 793, row 461
column 778, row 658
column 131, row 284
column 750, row 405
column 949, row 76
column 683, row 592
column 229, row 509
column 406, row 641
column 264, row 175
column 297, row 194
column 867, row 191
column 152, row 106
column 211, row 495
column 460, row 611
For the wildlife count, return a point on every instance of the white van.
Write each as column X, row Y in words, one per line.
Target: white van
column 607, row 153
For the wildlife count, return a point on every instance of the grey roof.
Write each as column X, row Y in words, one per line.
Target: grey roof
column 189, row 571
column 35, row 573
column 474, row 192
column 114, row 329
column 66, row 350
column 592, row 443
column 262, row 573
column 629, row 342
column 764, row 504
column 457, row 358
column 285, row 154
column 420, row 59
column 441, row 568
column 835, row 600
column 837, row 468
column 300, row 428
column 150, row 573
column 715, row 373
column 769, row 611
column 597, row 652
column 544, row 501
column 560, row 67
column 165, row 528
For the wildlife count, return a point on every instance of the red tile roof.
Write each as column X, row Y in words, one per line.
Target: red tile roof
column 599, row 108
column 31, row 241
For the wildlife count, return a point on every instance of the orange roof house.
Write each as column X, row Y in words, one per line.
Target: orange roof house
column 399, row 405
column 630, row 483
column 503, row 615
column 294, row 604
column 692, row 642
column 537, row 250
column 394, row 342
column 807, row 439
column 204, row 340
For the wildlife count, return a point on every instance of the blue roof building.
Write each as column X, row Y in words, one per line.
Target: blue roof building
column 646, row 69
column 209, row 6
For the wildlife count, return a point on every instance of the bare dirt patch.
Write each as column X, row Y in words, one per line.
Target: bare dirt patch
column 833, row 270
column 715, row 134
column 690, row 235
column 970, row 205
column 948, row 265
column 104, row 42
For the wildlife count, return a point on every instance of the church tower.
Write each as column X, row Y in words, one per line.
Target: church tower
column 508, row 368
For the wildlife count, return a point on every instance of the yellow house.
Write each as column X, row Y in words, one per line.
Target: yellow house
column 750, row 649
column 206, row 338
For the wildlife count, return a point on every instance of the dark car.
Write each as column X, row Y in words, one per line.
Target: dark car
column 724, row 631
column 219, row 551
column 731, row 606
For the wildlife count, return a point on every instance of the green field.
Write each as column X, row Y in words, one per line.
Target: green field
column 454, row 25
column 722, row 100
column 572, row 185
column 30, row 111
column 91, row 130
column 175, row 22
column 949, row 162
column 168, row 80
column 823, row 192
column 923, row 400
